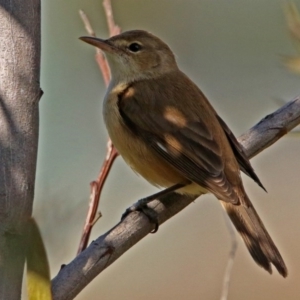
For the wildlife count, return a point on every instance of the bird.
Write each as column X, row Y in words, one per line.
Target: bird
column 167, row 131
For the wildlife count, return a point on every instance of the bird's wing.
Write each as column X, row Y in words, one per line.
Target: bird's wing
column 189, row 146
column 239, row 153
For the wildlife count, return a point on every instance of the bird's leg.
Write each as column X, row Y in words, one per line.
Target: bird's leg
column 142, row 206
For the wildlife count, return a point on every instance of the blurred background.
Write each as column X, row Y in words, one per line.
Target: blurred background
column 232, row 50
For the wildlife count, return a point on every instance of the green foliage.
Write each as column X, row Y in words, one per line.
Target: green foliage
column 38, row 275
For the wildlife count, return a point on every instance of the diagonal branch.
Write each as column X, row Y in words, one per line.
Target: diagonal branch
column 110, row 246
column 96, row 189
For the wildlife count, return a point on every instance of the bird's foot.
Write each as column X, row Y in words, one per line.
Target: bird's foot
column 142, row 206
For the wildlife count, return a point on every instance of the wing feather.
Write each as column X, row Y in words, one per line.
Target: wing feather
column 240, row 155
column 190, row 147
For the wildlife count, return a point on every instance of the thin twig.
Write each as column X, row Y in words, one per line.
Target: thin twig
column 103, row 65
column 87, row 24
column 96, row 189
column 113, row 28
column 99, row 56
column 97, row 185
column 231, row 257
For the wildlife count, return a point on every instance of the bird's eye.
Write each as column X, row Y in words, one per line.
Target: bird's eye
column 134, row 47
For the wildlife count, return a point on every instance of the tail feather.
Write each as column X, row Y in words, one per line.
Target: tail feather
column 255, row 236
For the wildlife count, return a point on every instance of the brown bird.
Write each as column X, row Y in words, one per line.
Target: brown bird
column 167, row 131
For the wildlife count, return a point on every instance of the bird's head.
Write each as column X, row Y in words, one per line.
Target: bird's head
column 135, row 55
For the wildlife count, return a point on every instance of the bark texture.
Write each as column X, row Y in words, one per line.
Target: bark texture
column 19, row 96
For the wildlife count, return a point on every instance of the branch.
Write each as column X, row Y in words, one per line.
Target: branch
column 112, row 153
column 113, row 28
column 96, row 189
column 99, row 56
column 110, row 246
column 271, row 128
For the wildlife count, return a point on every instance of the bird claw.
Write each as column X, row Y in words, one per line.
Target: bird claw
column 141, row 206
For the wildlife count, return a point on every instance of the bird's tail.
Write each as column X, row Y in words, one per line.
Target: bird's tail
column 255, row 236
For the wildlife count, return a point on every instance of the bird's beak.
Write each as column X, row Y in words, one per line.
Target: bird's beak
column 104, row 45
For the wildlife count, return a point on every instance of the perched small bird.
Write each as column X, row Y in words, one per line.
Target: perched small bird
column 167, row 131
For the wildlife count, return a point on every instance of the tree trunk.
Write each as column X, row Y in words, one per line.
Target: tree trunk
column 19, row 96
